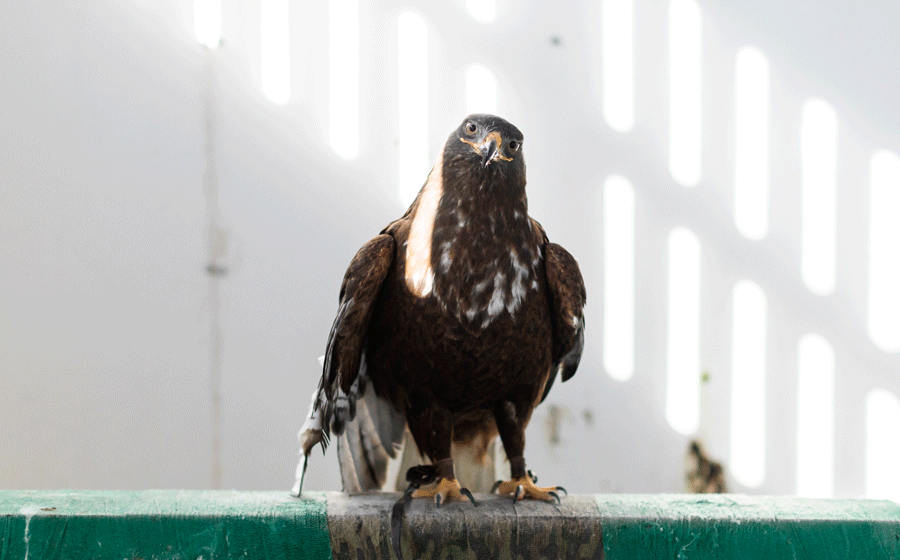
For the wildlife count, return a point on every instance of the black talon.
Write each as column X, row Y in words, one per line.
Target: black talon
column 519, row 491
column 564, row 491
column 438, row 500
column 495, row 486
column 465, row 492
column 532, row 476
column 555, row 496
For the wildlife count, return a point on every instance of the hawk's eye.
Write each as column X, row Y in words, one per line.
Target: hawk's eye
column 514, row 145
column 471, row 127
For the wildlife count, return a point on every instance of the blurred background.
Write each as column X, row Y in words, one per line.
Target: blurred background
column 183, row 183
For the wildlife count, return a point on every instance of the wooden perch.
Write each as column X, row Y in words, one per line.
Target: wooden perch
column 222, row 524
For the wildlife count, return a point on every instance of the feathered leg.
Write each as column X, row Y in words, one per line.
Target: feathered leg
column 511, row 426
column 433, row 432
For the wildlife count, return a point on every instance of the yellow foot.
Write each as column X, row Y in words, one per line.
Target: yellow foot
column 445, row 490
column 525, row 487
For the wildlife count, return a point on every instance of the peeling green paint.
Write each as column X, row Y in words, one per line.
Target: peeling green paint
column 163, row 525
column 686, row 527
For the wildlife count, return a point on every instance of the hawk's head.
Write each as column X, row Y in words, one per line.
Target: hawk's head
column 485, row 144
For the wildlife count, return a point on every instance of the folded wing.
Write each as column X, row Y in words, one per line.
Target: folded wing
column 344, row 381
column 567, row 296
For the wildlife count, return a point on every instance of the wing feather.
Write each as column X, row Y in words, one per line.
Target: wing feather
column 334, row 402
column 567, row 297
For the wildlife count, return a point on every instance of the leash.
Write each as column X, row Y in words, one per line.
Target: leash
column 416, row 476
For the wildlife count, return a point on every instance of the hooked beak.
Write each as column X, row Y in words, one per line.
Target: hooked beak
column 489, row 149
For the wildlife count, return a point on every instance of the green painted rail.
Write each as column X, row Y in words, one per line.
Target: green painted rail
column 221, row 524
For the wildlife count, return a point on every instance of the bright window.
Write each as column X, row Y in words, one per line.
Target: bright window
column 751, row 173
column 618, row 278
column 748, row 383
column 684, row 91
column 818, row 138
column 618, row 64
column 683, row 383
column 815, row 417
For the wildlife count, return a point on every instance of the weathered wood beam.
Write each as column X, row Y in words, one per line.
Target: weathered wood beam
column 221, row 524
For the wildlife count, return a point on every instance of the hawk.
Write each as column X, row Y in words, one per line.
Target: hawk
column 453, row 323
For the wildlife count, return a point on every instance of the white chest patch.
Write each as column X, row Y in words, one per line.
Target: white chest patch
column 419, row 275
column 507, row 297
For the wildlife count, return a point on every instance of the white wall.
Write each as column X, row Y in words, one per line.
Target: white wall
column 115, row 341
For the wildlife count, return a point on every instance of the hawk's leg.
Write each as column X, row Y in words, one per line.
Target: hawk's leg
column 446, row 488
column 511, row 425
column 437, row 428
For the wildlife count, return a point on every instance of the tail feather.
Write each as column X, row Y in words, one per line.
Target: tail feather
column 369, row 433
column 375, row 449
column 390, row 426
column 369, row 442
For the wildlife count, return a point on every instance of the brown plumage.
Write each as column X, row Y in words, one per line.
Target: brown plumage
column 459, row 315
